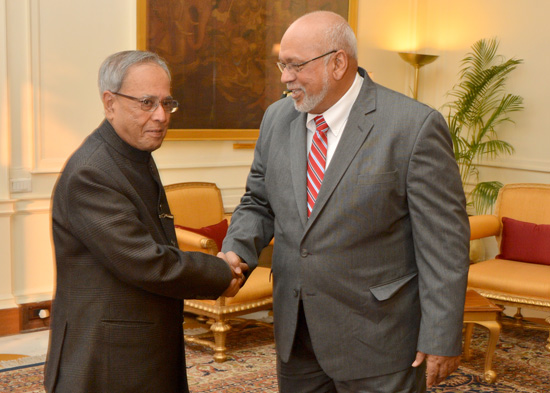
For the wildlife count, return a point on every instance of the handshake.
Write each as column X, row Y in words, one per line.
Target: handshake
column 238, row 267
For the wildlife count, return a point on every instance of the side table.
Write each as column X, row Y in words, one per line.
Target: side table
column 480, row 310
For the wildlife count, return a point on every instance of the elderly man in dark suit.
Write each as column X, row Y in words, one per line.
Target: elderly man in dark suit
column 359, row 187
column 118, row 311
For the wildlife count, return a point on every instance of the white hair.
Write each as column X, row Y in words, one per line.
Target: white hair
column 114, row 68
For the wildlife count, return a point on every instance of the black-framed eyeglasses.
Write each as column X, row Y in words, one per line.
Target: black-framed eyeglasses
column 297, row 67
column 150, row 104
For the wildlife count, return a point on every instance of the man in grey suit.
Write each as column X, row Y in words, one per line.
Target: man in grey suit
column 118, row 311
column 368, row 215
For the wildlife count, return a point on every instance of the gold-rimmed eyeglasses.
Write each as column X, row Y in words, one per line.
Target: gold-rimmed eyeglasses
column 297, row 67
column 150, row 104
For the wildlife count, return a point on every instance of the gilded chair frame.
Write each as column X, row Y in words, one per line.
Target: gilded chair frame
column 221, row 314
column 525, row 202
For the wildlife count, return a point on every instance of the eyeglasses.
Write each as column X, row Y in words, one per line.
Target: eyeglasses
column 150, row 104
column 293, row 67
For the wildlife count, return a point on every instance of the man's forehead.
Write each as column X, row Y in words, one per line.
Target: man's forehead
column 145, row 69
column 296, row 51
column 146, row 76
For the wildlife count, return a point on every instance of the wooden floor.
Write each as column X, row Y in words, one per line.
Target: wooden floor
column 8, row 356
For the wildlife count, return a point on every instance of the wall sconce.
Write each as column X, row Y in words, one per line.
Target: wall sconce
column 417, row 60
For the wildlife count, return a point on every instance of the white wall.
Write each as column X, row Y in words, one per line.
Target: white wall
column 50, row 51
column 6, row 206
column 448, row 28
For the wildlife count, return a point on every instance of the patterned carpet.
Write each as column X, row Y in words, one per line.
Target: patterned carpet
column 521, row 363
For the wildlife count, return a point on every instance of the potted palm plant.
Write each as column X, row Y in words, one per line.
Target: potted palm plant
column 480, row 105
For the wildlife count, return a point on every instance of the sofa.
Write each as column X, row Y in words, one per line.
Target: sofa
column 519, row 275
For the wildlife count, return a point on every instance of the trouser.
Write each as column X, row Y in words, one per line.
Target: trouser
column 303, row 373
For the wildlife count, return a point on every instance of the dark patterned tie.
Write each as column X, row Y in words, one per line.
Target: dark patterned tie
column 316, row 162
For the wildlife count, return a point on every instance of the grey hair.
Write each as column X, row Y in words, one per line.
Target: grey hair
column 341, row 36
column 114, row 68
column 338, row 36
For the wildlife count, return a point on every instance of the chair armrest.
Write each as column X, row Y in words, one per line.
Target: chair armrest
column 484, row 226
column 191, row 241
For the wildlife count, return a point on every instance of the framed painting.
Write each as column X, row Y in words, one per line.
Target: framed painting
column 222, row 55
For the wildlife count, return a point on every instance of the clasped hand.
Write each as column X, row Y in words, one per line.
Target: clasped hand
column 238, row 267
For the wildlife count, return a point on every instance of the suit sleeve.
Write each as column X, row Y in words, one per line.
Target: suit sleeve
column 101, row 215
column 441, row 234
column 252, row 221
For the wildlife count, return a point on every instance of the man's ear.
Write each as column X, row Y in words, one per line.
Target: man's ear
column 340, row 62
column 108, row 104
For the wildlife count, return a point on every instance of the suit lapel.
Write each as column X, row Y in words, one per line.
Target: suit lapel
column 298, row 163
column 356, row 131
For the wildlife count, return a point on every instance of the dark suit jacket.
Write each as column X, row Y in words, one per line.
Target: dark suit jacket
column 117, row 314
column 381, row 264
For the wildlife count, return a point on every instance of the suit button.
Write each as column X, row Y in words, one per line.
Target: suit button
column 296, row 293
column 173, row 243
column 303, row 253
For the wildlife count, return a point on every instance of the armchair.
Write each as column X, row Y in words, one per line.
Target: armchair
column 198, row 207
column 519, row 276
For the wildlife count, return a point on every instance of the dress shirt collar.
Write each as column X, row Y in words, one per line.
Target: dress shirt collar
column 337, row 115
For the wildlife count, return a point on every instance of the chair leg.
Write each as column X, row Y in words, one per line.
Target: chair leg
column 494, row 331
column 220, row 329
column 518, row 317
column 547, row 346
column 468, row 340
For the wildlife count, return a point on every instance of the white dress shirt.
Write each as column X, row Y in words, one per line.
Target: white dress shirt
column 336, row 117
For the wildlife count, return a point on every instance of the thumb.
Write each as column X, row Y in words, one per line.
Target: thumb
column 420, row 356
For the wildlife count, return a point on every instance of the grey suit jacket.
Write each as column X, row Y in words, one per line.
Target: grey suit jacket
column 381, row 265
column 118, row 311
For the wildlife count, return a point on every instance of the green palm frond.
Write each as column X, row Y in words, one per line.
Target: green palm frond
column 480, row 104
column 484, row 195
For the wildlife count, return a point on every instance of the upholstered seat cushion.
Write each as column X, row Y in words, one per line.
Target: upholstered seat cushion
column 517, row 278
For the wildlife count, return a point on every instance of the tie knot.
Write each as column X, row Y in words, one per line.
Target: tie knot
column 321, row 124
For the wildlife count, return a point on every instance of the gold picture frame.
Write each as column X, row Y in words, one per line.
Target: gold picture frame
column 216, row 38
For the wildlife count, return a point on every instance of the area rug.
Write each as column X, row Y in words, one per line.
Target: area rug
column 521, row 363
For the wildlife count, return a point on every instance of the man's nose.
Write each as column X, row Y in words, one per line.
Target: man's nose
column 159, row 114
column 287, row 76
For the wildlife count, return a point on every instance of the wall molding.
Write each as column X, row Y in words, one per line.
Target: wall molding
column 7, row 301
column 5, row 157
column 537, row 166
column 36, row 82
column 54, row 166
column 33, row 206
column 7, row 207
column 512, row 164
column 33, row 298
column 206, row 165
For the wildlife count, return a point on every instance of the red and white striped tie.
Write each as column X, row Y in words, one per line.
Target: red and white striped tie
column 316, row 162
